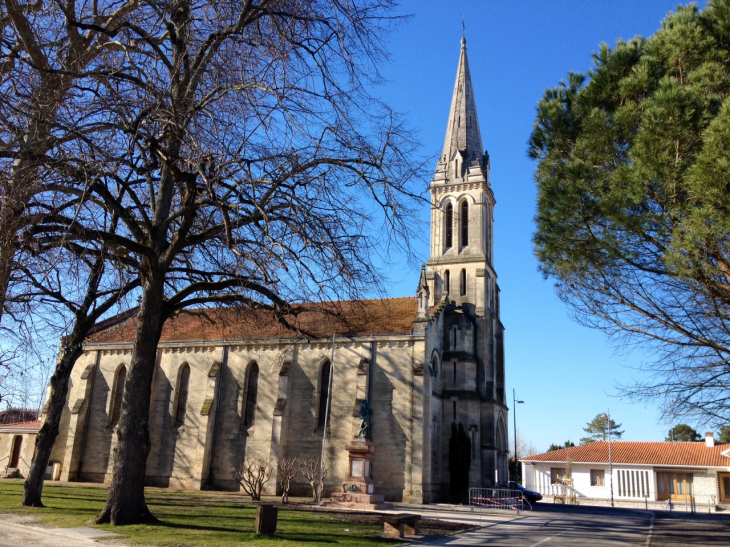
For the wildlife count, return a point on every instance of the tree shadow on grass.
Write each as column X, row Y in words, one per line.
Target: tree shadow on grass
column 248, row 533
column 281, row 535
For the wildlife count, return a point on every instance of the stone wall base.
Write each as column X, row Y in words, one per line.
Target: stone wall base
column 697, row 507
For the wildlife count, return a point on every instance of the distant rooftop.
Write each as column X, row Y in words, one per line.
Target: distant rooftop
column 641, row 453
column 36, row 424
column 16, row 415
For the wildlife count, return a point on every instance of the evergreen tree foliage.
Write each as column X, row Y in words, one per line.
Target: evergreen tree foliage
column 567, row 444
column 633, row 218
column 724, row 434
column 459, row 463
column 597, row 430
column 683, row 433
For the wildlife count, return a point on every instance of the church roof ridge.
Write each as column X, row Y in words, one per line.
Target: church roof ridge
column 462, row 129
column 343, row 317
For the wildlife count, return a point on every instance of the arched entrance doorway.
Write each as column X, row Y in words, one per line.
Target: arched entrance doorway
column 15, row 451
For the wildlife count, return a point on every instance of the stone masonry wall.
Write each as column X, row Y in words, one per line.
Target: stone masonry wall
column 201, row 453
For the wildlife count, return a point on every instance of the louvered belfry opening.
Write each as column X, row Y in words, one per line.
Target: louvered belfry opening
column 464, row 224
column 449, row 225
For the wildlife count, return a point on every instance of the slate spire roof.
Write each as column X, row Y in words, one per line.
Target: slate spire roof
column 462, row 129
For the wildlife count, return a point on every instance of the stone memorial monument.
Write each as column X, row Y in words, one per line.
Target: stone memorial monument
column 358, row 489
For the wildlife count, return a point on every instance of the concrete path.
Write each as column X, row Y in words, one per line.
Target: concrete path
column 564, row 526
column 546, row 531
column 16, row 531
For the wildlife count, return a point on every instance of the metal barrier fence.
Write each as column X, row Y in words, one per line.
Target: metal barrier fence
column 498, row 498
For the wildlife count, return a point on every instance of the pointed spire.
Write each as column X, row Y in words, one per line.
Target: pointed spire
column 422, row 282
column 423, row 293
column 462, row 130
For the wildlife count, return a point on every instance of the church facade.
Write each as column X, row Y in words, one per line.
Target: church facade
column 232, row 384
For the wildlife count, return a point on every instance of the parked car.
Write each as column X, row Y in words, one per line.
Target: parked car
column 530, row 495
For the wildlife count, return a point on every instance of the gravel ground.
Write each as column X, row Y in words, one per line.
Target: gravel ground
column 23, row 531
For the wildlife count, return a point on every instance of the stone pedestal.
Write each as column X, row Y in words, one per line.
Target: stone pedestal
column 358, row 490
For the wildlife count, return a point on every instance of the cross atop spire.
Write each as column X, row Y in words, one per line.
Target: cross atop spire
column 462, row 130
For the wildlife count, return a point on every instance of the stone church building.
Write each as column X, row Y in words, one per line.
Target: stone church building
column 232, row 384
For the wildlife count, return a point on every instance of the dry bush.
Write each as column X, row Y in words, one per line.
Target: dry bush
column 310, row 470
column 287, row 469
column 252, row 475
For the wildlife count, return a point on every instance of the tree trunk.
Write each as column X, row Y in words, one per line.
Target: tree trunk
column 33, row 486
column 126, row 502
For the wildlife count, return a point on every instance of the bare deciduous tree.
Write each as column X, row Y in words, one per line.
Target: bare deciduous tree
column 52, row 56
column 310, row 470
column 46, row 48
column 247, row 163
column 244, row 161
column 253, row 475
column 96, row 293
column 286, row 469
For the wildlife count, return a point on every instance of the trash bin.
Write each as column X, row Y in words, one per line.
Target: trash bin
column 266, row 516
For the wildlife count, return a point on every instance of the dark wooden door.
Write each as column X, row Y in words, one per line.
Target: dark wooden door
column 15, row 455
column 725, row 488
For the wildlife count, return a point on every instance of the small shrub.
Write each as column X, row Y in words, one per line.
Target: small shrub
column 286, row 470
column 252, row 475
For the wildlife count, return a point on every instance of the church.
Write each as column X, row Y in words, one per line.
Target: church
column 232, row 384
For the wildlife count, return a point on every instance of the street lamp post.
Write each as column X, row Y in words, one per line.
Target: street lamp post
column 515, row 402
column 610, row 460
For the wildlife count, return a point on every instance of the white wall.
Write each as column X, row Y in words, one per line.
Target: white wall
column 629, row 482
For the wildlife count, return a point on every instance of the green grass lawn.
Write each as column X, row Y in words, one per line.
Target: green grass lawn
column 190, row 519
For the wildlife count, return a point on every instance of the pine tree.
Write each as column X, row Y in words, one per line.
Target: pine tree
column 724, row 434
column 597, row 430
column 682, row 433
column 567, row 444
column 633, row 215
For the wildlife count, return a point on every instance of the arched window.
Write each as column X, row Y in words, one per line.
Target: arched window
column 447, row 282
column 15, row 452
column 118, row 395
column 324, row 393
column 182, row 394
column 252, row 392
column 462, row 283
column 464, row 223
column 449, row 225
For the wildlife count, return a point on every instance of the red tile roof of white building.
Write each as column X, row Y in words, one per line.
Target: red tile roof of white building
column 36, row 424
column 641, row 453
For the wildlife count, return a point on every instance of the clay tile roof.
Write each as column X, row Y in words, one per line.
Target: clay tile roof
column 23, row 425
column 356, row 317
column 645, row 453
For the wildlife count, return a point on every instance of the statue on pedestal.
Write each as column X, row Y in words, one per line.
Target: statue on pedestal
column 365, row 413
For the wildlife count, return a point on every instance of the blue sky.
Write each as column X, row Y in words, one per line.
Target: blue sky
column 564, row 372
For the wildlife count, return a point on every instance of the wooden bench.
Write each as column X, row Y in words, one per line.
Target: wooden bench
column 399, row 525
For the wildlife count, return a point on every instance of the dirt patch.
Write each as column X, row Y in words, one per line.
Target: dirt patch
column 427, row 527
column 16, row 530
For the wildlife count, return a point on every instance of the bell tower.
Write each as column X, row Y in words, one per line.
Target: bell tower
column 462, row 205
column 465, row 335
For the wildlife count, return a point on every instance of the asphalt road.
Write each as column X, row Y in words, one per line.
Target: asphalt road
column 596, row 527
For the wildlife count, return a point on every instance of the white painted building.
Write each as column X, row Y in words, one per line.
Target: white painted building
column 680, row 472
